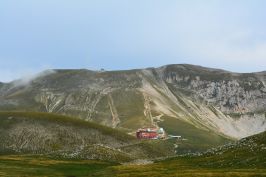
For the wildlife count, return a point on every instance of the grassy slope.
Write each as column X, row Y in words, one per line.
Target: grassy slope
column 244, row 158
column 68, row 135
column 66, row 120
column 130, row 106
column 196, row 139
column 41, row 166
column 34, row 166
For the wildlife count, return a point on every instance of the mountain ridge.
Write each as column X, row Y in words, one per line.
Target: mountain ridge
column 137, row 69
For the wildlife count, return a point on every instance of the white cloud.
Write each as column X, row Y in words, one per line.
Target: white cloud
column 26, row 79
column 23, row 75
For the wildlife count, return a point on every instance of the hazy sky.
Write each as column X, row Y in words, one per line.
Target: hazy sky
column 122, row 34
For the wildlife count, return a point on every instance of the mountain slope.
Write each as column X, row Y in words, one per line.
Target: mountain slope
column 66, row 137
column 246, row 157
column 248, row 152
column 227, row 104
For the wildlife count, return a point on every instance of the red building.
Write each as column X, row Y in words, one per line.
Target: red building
column 150, row 133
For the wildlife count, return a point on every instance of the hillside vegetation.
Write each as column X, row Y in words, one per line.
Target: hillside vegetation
column 244, row 158
column 66, row 137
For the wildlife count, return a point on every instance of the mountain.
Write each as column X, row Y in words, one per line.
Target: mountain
column 216, row 102
column 66, row 137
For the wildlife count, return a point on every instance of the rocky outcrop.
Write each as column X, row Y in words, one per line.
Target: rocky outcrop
column 230, row 92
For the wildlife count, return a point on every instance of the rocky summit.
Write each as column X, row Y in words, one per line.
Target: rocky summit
column 230, row 105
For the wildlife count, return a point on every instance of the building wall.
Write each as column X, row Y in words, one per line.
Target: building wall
column 146, row 135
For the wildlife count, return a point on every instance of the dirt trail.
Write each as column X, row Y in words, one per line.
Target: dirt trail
column 113, row 110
